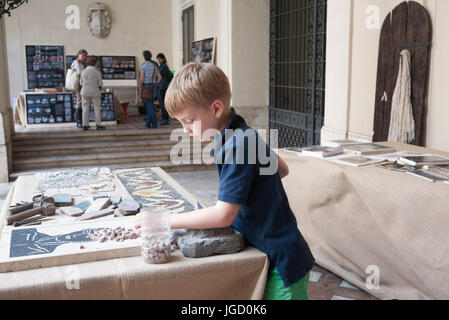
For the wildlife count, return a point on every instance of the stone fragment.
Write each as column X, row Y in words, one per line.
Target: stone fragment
column 98, row 205
column 71, row 211
column 99, row 196
column 129, row 207
column 89, row 215
column 204, row 243
column 115, row 200
column 62, row 200
column 83, row 205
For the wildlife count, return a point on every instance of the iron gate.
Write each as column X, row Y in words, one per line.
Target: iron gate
column 297, row 70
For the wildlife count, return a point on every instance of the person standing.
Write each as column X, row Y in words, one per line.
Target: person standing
column 149, row 79
column 78, row 66
column 91, row 84
column 167, row 76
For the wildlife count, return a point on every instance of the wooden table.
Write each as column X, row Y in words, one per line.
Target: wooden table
column 237, row 276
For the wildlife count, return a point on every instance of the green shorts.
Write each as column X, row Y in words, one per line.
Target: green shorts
column 275, row 289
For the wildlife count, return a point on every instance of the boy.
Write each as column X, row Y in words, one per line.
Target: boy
column 255, row 204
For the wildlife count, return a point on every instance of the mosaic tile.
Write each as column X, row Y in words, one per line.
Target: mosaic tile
column 345, row 284
column 340, row 298
column 315, row 276
column 152, row 192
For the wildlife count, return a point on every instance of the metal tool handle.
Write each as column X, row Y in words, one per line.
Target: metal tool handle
column 23, row 215
column 21, row 208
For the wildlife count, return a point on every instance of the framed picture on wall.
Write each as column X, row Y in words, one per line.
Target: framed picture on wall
column 204, row 50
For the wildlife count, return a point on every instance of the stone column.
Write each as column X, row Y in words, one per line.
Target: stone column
column 250, row 61
column 338, row 70
column 6, row 119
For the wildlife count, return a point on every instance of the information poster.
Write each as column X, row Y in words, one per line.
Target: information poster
column 69, row 60
column 45, row 66
column 60, row 108
column 49, row 108
column 203, row 51
column 107, row 107
column 115, row 67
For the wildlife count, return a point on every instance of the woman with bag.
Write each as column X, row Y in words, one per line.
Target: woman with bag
column 78, row 67
column 149, row 79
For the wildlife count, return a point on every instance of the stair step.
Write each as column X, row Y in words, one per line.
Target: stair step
column 60, row 139
column 27, row 151
column 93, row 159
column 92, row 133
column 166, row 165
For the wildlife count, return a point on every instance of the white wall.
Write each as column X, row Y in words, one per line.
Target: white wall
column 242, row 32
column 5, row 111
column 136, row 25
column 212, row 19
column 347, row 20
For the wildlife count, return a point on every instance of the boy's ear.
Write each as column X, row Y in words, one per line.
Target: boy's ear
column 218, row 108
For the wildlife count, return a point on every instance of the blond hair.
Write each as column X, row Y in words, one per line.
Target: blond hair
column 197, row 84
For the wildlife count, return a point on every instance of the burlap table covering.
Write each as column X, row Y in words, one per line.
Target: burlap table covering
column 240, row 276
column 20, row 112
column 354, row 218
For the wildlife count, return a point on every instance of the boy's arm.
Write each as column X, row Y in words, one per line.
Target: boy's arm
column 219, row 216
column 282, row 168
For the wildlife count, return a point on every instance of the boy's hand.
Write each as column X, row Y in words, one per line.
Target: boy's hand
column 153, row 221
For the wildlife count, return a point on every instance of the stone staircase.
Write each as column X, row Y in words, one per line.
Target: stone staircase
column 124, row 148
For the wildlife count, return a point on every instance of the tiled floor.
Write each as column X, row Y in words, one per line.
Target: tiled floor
column 324, row 285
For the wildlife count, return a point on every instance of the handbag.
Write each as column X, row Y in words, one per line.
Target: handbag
column 72, row 80
column 146, row 93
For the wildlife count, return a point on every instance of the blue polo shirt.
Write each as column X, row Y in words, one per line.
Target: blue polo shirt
column 265, row 218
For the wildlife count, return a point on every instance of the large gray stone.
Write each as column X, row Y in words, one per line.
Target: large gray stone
column 204, row 243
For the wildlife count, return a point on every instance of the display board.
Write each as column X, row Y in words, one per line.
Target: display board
column 203, row 51
column 111, row 67
column 107, row 107
column 116, row 67
column 60, row 108
column 45, row 66
column 69, row 60
column 49, row 108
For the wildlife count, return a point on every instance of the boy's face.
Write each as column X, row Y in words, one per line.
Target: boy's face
column 200, row 123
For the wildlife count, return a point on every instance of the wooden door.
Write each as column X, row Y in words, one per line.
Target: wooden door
column 408, row 26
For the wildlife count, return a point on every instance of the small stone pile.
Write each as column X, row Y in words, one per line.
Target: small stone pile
column 117, row 234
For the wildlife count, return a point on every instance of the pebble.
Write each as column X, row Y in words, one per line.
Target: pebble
column 156, row 247
column 117, row 234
